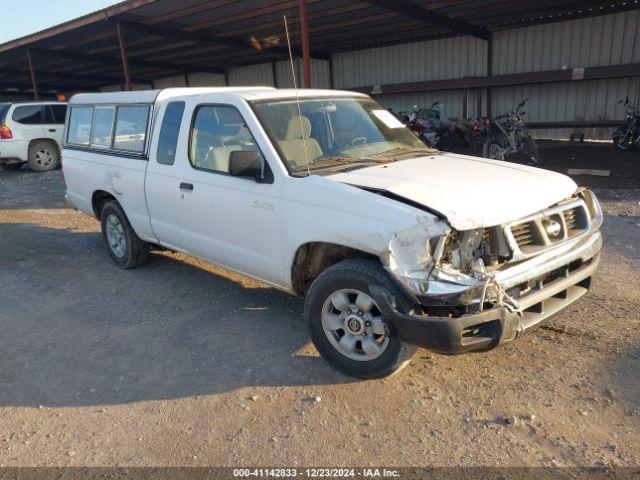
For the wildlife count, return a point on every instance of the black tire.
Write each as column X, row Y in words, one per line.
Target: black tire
column 490, row 149
column 12, row 166
column 530, row 149
column 622, row 139
column 136, row 251
column 356, row 274
column 44, row 156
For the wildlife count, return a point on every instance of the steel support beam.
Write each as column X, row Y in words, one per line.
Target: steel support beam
column 206, row 38
column 34, row 81
column 304, row 32
column 105, row 59
column 125, row 62
column 549, row 76
column 411, row 10
column 51, row 75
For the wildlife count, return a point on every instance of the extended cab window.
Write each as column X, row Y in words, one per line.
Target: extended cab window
column 28, row 115
column 102, row 127
column 79, row 130
column 168, row 140
column 131, row 128
column 217, row 131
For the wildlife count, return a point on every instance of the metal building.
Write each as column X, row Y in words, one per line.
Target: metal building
column 574, row 59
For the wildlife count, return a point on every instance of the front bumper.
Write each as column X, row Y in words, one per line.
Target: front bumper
column 562, row 281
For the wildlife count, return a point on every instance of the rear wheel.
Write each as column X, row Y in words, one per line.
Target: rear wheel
column 492, row 149
column 623, row 139
column 124, row 246
column 43, row 156
column 346, row 324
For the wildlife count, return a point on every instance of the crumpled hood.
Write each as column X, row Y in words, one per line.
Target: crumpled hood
column 471, row 192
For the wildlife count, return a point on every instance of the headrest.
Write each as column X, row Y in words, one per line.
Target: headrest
column 293, row 128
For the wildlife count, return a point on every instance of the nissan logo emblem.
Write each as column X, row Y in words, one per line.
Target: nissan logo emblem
column 552, row 228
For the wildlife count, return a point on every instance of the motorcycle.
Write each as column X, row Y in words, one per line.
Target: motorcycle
column 627, row 137
column 432, row 130
column 508, row 134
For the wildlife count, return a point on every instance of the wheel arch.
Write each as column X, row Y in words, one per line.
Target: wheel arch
column 46, row 140
column 98, row 200
column 312, row 258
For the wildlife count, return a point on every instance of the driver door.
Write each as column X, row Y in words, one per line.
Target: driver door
column 227, row 220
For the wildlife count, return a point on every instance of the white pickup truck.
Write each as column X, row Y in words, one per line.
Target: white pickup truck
column 324, row 194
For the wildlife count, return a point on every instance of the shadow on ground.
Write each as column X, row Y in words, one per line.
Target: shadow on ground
column 77, row 330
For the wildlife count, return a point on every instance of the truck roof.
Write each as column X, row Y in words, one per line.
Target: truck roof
column 248, row 93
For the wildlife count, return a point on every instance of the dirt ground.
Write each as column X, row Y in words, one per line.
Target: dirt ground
column 181, row 363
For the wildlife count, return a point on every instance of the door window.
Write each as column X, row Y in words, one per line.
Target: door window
column 28, row 115
column 131, row 128
column 55, row 114
column 169, row 131
column 218, row 131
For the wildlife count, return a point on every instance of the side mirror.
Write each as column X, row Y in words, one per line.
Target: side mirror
column 246, row 164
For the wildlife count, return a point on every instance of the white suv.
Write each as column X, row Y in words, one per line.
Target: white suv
column 31, row 132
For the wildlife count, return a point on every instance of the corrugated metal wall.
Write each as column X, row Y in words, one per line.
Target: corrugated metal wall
column 605, row 40
column 434, row 60
column 206, row 80
column 168, row 82
column 320, row 74
column 252, row 75
column 422, row 61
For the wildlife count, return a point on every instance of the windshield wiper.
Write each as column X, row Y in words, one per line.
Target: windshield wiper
column 328, row 162
column 401, row 150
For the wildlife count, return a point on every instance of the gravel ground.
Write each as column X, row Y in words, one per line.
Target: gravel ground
column 181, row 363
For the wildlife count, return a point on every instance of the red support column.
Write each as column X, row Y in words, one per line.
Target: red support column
column 304, row 31
column 34, row 82
column 123, row 54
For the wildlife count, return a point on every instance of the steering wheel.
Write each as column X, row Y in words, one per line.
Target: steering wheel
column 358, row 141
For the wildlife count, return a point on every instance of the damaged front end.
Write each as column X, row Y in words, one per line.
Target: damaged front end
column 477, row 288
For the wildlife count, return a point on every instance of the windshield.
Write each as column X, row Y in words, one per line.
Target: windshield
column 4, row 107
column 337, row 133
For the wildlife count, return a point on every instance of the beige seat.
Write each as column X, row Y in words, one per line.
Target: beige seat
column 293, row 145
column 218, row 158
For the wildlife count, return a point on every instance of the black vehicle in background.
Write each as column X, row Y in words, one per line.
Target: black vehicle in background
column 627, row 137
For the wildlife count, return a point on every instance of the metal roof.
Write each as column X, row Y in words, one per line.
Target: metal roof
column 172, row 37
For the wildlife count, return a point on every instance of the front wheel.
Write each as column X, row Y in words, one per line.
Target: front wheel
column 492, row 149
column 530, row 149
column 124, row 246
column 346, row 324
column 623, row 139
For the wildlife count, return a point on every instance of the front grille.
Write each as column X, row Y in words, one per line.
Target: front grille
column 523, row 234
column 550, row 227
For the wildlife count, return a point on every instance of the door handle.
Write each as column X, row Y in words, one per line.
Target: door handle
column 53, row 130
column 186, row 186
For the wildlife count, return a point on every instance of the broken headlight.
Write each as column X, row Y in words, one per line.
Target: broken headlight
column 414, row 252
